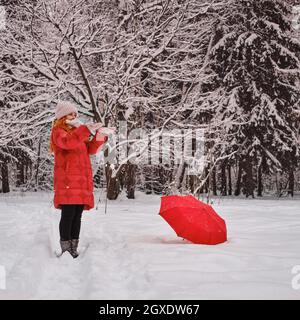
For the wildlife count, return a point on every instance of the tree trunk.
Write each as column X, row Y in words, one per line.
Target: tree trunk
column 20, row 172
column 130, row 180
column 237, row 191
column 278, row 183
column 223, row 179
column 206, row 184
column 112, row 184
column 214, row 181
column 192, row 183
column 156, row 180
column 179, row 177
column 259, row 182
column 98, row 182
column 148, row 179
column 291, row 182
column 38, row 165
column 5, row 178
column 248, row 183
column 229, row 180
column 148, row 170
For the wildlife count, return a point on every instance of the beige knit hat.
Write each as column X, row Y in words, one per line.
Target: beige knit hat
column 63, row 108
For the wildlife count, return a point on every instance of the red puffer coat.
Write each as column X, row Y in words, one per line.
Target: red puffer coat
column 73, row 178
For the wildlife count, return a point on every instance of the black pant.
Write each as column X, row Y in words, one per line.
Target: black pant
column 70, row 222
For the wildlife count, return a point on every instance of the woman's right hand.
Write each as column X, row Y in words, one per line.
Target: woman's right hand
column 93, row 127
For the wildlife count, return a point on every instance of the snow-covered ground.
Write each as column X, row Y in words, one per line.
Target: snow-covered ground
column 134, row 254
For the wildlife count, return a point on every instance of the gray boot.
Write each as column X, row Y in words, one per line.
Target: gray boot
column 65, row 245
column 74, row 246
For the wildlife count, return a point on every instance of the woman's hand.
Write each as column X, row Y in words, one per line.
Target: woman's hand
column 100, row 136
column 108, row 130
column 104, row 131
column 94, row 126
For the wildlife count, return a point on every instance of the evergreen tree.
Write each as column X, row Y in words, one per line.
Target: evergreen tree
column 253, row 90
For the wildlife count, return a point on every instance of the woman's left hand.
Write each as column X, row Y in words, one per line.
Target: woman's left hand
column 100, row 136
column 104, row 131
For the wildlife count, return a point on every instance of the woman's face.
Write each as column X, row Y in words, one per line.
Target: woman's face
column 71, row 116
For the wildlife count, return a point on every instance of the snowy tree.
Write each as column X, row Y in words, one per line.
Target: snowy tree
column 158, row 65
column 253, row 93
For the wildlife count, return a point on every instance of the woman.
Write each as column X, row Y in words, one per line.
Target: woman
column 72, row 144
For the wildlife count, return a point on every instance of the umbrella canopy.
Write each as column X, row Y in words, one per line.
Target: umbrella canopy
column 193, row 220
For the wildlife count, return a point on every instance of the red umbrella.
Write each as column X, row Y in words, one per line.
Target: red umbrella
column 193, row 220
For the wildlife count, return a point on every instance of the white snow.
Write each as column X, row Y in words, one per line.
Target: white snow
column 134, row 254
